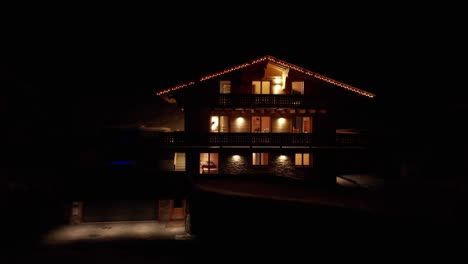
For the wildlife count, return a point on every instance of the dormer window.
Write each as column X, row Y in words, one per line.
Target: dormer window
column 278, row 85
column 273, row 86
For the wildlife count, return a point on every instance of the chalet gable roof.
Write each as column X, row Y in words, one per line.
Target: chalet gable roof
column 276, row 61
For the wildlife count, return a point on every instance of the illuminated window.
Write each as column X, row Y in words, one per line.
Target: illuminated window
column 277, row 85
column 179, row 161
column 297, row 87
column 261, row 87
column 209, row 163
column 259, row 158
column 303, row 159
column 261, row 124
column 225, row 87
column 302, row 124
column 219, row 124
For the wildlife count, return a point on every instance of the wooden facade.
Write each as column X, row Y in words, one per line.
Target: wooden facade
column 263, row 117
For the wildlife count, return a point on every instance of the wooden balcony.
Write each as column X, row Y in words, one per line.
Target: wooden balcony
column 257, row 139
column 260, row 100
column 267, row 139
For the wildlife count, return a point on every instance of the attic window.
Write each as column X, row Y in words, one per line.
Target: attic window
column 225, row 87
column 297, row 87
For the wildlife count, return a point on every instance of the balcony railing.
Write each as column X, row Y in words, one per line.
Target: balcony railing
column 257, row 139
column 260, row 100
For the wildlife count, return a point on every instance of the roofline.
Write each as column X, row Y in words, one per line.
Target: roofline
column 275, row 60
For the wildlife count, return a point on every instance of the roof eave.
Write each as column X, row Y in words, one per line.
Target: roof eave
column 277, row 61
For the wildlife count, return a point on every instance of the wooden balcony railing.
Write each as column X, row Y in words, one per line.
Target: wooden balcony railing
column 257, row 139
column 260, row 100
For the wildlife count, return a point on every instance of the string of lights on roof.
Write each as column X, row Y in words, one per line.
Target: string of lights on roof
column 280, row 62
column 174, row 88
column 321, row 77
column 233, row 69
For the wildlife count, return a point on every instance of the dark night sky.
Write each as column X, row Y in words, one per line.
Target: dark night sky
column 91, row 64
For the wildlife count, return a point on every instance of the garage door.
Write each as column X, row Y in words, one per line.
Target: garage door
column 120, row 210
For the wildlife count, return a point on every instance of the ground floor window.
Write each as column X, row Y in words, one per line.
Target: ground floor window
column 260, row 158
column 179, row 161
column 303, row 159
column 209, row 163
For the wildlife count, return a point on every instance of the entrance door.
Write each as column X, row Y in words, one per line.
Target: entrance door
column 178, row 209
column 171, row 210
